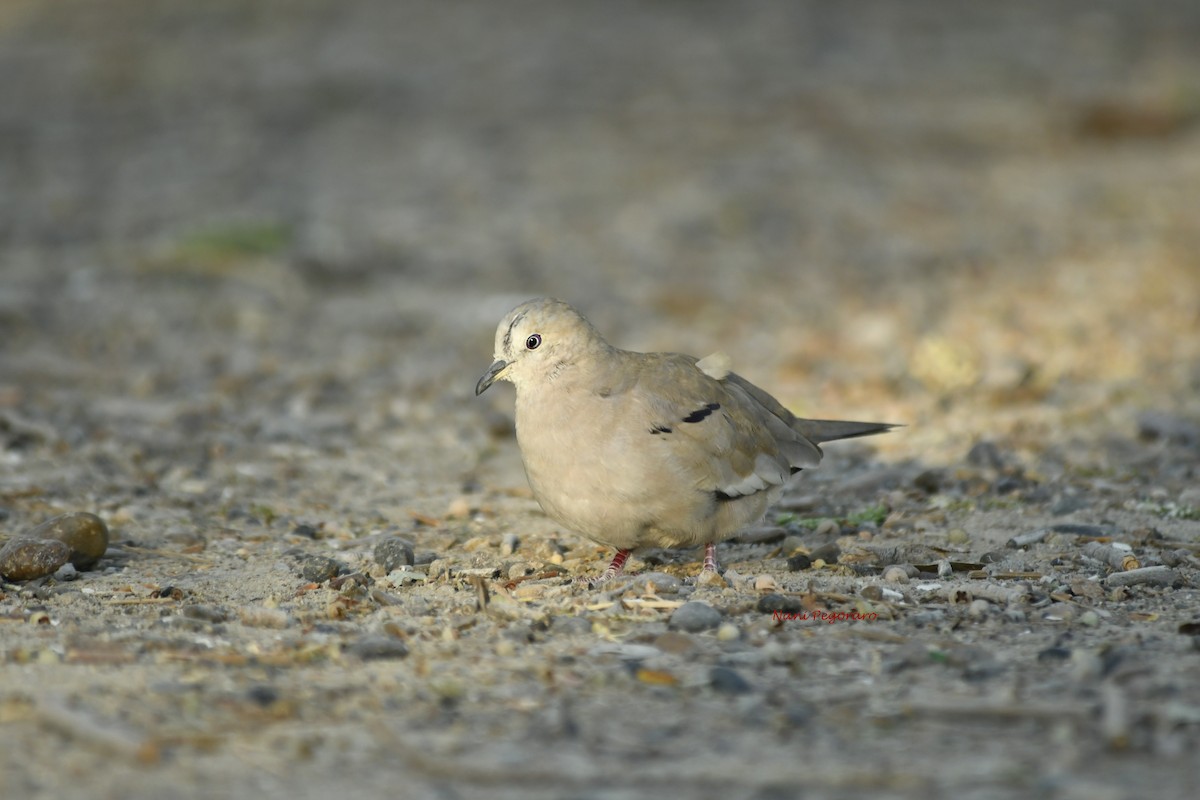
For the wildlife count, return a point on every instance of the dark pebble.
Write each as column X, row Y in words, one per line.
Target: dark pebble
column 799, row 562
column 318, row 569
column 929, row 481
column 985, row 454
column 728, row 681
column 307, row 531
column 26, row 559
column 770, row 603
column 85, row 534
column 694, row 617
column 371, row 648
column 206, row 613
column 264, row 696
column 393, row 552
column 1054, row 654
column 829, row 553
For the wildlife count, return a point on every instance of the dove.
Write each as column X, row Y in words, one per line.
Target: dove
column 636, row 450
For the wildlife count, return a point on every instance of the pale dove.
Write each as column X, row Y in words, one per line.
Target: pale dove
column 646, row 449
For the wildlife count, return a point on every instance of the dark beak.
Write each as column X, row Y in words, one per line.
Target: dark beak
column 489, row 377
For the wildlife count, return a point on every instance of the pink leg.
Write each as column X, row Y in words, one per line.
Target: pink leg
column 614, row 569
column 710, row 557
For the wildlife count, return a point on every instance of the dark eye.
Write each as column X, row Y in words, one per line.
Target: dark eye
column 533, row 341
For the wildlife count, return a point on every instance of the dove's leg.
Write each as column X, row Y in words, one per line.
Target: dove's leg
column 710, row 557
column 614, row 569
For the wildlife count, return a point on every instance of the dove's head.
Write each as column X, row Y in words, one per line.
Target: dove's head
column 536, row 340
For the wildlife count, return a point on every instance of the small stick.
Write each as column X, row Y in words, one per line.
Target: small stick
column 1157, row 576
column 1115, row 557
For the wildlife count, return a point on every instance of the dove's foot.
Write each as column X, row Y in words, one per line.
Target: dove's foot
column 615, row 567
column 710, row 557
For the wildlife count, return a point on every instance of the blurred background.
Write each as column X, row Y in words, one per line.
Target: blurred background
column 275, row 219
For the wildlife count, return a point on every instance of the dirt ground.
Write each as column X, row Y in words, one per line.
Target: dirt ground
column 252, row 256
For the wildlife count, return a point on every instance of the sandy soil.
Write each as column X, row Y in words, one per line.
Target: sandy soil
column 251, row 261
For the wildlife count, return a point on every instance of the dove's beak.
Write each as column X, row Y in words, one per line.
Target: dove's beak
column 490, row 377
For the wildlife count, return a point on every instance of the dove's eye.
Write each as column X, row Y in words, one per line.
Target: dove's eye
column 533, row 341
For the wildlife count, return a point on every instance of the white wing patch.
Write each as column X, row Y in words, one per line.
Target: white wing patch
column 767, row 473
column 716, row 366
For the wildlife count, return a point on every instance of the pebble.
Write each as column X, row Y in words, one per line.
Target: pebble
column 205, row 613
column 710, row 578
column 86, row 535
column 1089, row 618
column 696, row 616
column 895, row 574
column 660, row 582
column 318, row 569
column 979, row 608
column 769, row 604
column 871, row 592
column 374, row 647
column 675, row 642
column 929, row 481
column 728, row 681
column 958, row 536
column 728, row 632
column 26, row 559
column 264, row 617
column 828, row 528
column 829, row 553
column 985, row 454
column 792, row 543
column 765, row 583
column 394, row 552
column 799, row 562
column 509, row 544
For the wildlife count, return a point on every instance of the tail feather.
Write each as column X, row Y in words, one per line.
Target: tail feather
column 828, row 430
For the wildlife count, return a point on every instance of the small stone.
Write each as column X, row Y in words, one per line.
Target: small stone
column 26, row 559
column 769, row 604
column 657, row 583
column 318, row 569
column 895, row 574
column 728, row 681
column 944, row 570
column 765, row 583
column 829, row 553
column 459, row 508
column 394, row 552
column 206, row 613
column 506, row 648
column 675, row 642
column 264, row 617
column 871, row 592
column 929, row 481
column 985, row 454
column 799, row 562
column 791, row 544
column 374, row 647
column 305, row 531
column 86, row 535
column 708, row 577
column 978, row 609
column 828, row 528
column 728, row 632
column 509, row 544
column 1012, row 614
column 958, row 536
column 695, row 616
column 1089, row 618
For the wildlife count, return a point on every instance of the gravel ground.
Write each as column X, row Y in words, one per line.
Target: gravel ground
column 251, row 260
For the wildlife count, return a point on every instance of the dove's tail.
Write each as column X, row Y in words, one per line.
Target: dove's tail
column 828, row 430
